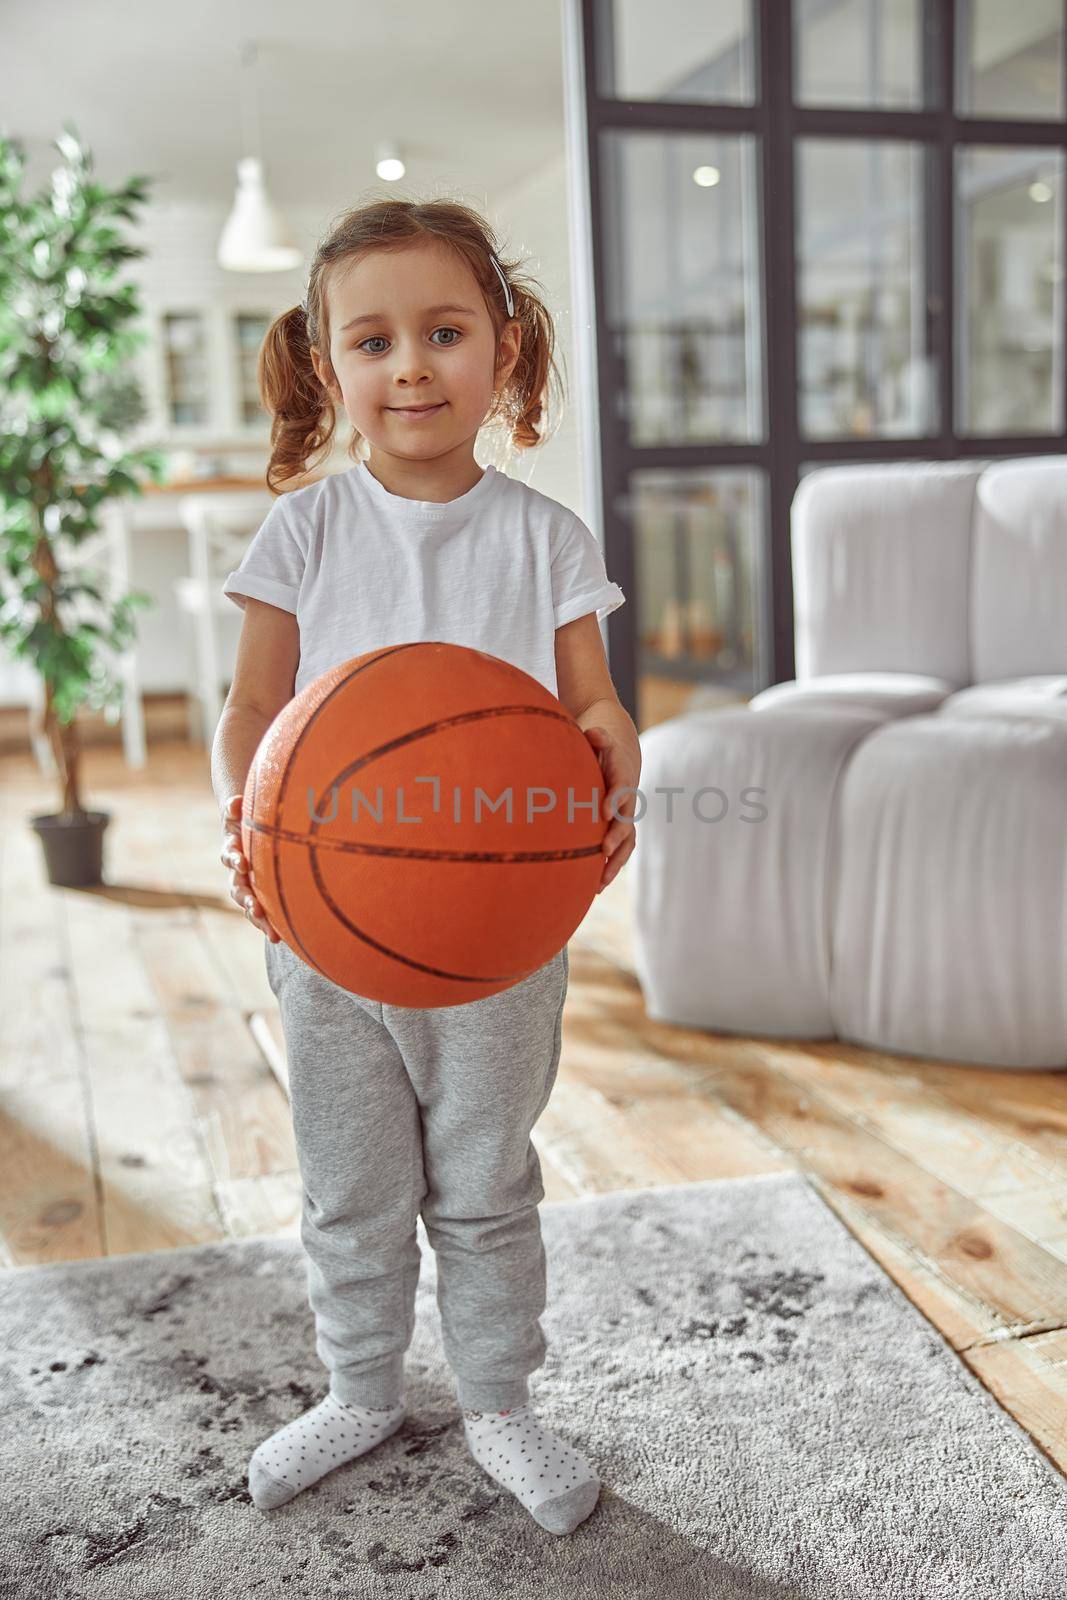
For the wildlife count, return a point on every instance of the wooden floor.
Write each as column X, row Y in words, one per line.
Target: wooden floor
column 142, row 1107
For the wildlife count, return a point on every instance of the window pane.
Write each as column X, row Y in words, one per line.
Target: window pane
column 863, row 365
column 858, row 52
column 674, row 50
column 697, row 535
column 185, row 363
column 250, row 329
column 682, row 285
column 1010, row 56
column 1010, row 271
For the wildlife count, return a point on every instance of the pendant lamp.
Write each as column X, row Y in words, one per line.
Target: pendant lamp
column 256, row 237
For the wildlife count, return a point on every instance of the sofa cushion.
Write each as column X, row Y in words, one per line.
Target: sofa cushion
column 881, row 569
column 949, row 917
column 735, row 829
column 898, row 694
column 1019, row 577
column 1042, row 696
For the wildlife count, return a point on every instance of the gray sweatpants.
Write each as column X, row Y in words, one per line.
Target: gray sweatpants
column 400, row 1112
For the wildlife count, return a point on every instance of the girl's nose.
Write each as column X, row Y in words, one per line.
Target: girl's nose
column 407, row 378
column 411, row 365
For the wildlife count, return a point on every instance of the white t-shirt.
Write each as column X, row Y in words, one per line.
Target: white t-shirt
column 499, row 568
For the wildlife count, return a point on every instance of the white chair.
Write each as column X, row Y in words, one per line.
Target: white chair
column 219, row 526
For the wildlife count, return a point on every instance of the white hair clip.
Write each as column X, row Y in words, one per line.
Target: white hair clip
column 509, row 302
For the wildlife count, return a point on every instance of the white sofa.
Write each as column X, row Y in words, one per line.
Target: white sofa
column 906, row 888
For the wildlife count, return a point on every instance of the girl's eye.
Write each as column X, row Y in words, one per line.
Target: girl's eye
column 377, row 338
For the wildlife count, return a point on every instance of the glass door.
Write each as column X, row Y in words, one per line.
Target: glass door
column 815, row 231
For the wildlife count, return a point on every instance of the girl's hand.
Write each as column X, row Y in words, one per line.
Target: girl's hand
column 231, row 856
column 621, row 837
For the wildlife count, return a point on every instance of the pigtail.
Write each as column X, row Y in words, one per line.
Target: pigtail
column 522, row 404
column 302, row 413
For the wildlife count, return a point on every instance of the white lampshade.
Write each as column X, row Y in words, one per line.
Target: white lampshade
column 256, row 237
column 390, row 163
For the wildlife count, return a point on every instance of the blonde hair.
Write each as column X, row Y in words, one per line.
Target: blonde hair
column 303, row 414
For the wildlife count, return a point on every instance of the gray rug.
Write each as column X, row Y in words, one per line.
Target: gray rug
column 770, row 1416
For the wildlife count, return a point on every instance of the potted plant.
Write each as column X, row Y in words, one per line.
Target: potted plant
column 65, row 401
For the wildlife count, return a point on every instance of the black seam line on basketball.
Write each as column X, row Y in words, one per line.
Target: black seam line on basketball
column 410, row 853
column 478, row 715
column 397, row 955
column 392, row 650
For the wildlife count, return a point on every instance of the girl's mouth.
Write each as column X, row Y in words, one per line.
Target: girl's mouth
column 417, row 416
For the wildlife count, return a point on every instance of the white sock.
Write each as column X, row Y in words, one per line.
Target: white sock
column 556, row 1485
column 313, row 1444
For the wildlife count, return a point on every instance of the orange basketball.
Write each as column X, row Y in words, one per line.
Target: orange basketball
column 377, row 830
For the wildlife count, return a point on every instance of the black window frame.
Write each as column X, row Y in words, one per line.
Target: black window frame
column 777, row 123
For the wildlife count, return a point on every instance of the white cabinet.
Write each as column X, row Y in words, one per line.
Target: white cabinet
column 200, row 372
column 247, row 332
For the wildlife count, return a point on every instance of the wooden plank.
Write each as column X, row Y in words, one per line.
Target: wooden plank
column 169, row 1220
column 37, row 1036
column 148, row 1150
column 607, row 927
column 960, row 1318
column 269, row 1035
column 256, row 1206
column 49, row 1200
column 1029, row 1378
column 1030, row 1107
column 961, row 1147
column 661, row 1099
column 556, row 1186
column 243, row 1115
column 49, row 1208
column 1041, row 1216
column 1023, row 1285
column 597, row 1148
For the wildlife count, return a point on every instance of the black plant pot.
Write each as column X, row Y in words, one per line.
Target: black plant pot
column 73, row 846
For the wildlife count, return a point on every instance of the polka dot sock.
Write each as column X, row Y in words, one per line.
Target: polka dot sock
column 556, row 1485
column 311, row 1445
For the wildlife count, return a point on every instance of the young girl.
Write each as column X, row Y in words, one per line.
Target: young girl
column 414, row 325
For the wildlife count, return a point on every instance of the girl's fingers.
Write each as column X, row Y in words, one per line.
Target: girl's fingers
column 232, row 856
column 248, row 902
column 258, row 917
column 617, row 834
column 242, row 895
column 613, row 838
column 616, row 860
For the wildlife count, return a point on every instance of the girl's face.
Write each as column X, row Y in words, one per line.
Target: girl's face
column 410, row 328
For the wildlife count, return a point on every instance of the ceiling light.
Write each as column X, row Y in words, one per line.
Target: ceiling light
column 389, row 167
column 707, row 177
column 255, row 237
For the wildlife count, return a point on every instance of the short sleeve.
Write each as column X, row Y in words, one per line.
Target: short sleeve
column 272, row 567
column 579, row 578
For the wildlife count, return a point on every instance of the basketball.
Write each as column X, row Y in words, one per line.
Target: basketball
column 423, row 824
